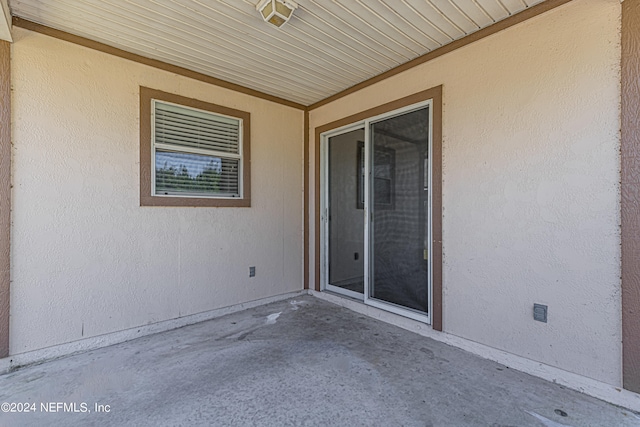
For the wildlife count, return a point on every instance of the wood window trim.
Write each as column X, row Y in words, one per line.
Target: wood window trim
column 146, row 196
column 435, row 94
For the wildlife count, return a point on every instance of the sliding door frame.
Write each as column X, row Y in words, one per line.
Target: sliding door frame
column 434, row 94
column 324, row 212
column 365, row 123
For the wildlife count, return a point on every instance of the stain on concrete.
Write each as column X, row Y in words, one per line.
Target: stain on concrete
column 272, row 318
column 546, row 421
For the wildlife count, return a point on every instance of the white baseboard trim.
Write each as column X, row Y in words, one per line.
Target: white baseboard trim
column 14, row 361
column 589, row 386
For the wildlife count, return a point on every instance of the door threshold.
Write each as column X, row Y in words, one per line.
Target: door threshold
column 336, row 290
column 383, row 305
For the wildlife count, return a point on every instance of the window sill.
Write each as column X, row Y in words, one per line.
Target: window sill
column 194, row 202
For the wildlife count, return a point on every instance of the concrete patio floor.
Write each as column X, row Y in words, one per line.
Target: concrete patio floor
column 296, row 362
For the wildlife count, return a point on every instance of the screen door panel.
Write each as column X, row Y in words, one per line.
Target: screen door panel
column 399, row 204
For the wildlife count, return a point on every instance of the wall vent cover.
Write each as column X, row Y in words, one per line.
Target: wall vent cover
column 540, row 313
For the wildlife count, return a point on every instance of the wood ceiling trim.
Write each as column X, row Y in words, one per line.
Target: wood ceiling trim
column 196, row 75
column 62, row 35
column 193, row 43
column 526, row 14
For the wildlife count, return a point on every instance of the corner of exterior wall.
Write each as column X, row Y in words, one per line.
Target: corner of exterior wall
column 630, row 203
column 5, row 195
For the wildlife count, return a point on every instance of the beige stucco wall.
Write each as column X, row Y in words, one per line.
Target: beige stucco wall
column 86, row 258
column 530, row 185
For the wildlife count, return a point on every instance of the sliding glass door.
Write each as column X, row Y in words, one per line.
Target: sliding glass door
column 376, row 208
column 345, row 214
column 399, row 203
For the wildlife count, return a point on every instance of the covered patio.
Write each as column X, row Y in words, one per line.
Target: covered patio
column 315, row 212
column 300, row 361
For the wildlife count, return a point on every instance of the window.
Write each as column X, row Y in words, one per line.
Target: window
column 196, row 153
column 192, row 153
column 384, row 161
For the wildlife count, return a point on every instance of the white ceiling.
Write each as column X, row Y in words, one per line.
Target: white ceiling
column 327, row 46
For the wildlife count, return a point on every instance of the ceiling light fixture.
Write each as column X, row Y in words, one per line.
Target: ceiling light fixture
column 276, row 12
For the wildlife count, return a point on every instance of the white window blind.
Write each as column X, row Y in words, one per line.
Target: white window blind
column 196, row 153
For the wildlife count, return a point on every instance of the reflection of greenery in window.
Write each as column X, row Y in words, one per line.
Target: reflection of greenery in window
column 171, row 178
